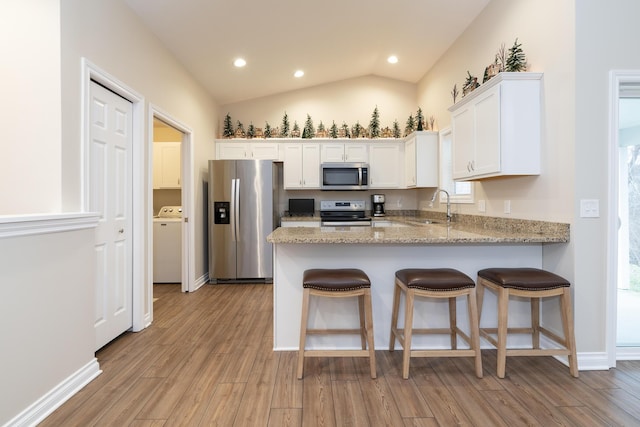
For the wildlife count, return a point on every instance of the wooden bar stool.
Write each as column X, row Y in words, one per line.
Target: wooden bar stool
column 338, row 283
column 435, row 283
column 530, row 283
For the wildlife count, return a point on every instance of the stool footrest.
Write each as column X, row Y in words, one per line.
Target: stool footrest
column 537, row 352
column 443, row 353
column 336, row 353
column 336, row 331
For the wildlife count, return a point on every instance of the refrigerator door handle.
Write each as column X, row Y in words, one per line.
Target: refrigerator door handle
column 236, row 219
column 233, row 209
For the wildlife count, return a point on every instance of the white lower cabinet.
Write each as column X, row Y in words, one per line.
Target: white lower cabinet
column 386, row 162
column 301, row 165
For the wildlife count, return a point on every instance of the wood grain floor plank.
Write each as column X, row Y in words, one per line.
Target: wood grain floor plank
column 379, row 402
column 444, row 406
column 192, row 406
column 171, row 390
column 147, row 423
column 317, row 397
column 349, row 404
column 509, row 409
column 224, row 405
column 124, row 411
column 463, row 390
column 420, row 422
column 285, row 417
column 287, row 392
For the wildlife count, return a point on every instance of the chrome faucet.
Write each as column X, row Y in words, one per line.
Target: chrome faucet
column 433, row 199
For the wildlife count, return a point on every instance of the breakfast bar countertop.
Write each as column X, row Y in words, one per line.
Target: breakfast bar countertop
column 412, row 230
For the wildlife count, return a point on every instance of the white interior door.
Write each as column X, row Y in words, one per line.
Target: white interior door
column 111, row 169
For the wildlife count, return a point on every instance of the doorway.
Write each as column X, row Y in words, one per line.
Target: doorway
column 175, row 140
column 623, row 336
column 628, row 289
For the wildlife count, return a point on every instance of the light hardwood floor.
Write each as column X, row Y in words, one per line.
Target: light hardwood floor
column 208, row 360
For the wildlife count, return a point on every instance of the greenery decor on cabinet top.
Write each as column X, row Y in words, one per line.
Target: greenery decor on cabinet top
column 373, row 130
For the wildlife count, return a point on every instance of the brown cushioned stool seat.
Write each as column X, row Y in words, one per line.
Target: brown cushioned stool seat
column 338, row 283
column 435, row 283
column 532, row 283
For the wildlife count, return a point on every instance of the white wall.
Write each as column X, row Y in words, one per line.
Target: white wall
column 606, row 39
column 30, row 111
column 46, row 314
column 347, row 101
column 550, row 195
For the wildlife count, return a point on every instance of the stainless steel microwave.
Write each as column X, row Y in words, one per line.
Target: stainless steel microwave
column 344, row 176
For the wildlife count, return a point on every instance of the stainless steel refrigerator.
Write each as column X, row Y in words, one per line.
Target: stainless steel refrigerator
column 242, row 212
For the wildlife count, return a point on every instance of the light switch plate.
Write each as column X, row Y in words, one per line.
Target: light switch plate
column 482, row 205
column 589, row 208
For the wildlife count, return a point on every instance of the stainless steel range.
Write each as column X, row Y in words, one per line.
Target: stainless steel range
column 343, row 213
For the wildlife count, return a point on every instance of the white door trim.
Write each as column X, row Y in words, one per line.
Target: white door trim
column 142, row 306
column 616, row 78
column 188, row 209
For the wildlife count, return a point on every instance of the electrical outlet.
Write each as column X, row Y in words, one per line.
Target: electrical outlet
column 482, row 206
column 507, row 206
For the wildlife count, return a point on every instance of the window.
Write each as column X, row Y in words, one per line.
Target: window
column 459, row 192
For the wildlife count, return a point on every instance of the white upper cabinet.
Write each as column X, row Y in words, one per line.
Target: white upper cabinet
column 245, row 150
column 497, row 128
column 386, row 164
column 166, row 165
column 350, row 152
column 421, row 160
column 301, row 167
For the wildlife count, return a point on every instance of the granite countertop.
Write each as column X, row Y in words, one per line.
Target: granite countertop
column 413, row 230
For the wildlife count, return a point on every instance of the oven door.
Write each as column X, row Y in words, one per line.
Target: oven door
column 344, row 176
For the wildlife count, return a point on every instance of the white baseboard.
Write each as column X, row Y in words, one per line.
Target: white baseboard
column 628, row 353
column 52, row 400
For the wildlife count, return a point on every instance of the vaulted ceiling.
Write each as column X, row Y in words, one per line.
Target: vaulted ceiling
column 330, row 40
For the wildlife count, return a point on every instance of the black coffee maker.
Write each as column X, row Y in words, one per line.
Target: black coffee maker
column 377, row 204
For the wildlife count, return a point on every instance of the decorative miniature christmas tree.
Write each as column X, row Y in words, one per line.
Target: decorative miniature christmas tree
column 251, row 130
column 516, row 60
column 345, row 130
column 396, row 129
column 357, row 130
column 285, row 126
column 321, row 127
column 228, row 127
column 469, row 84
column 240, row 130
column 419, row 120
column 410, row 125
column 267, row 130
column 308, row 131
column 333, row 130
column 295, row 132
column 374, row 124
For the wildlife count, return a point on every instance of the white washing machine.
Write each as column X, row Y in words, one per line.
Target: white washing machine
column 167, row 245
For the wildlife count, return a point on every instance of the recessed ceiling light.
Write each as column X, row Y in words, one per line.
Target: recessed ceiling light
column 239, row 62
column 298, row 73
column 392, row 59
